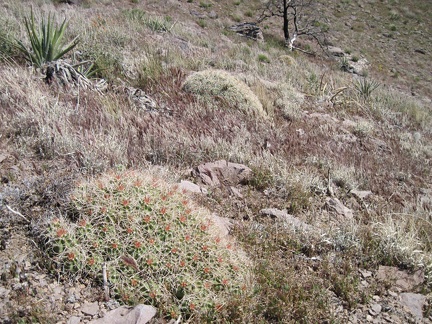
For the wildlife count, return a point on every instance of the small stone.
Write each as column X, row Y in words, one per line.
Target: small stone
column 361, row 193
column 369, row 318
column 392, row 293
column 376, row 298
column 74, row 320
column 375, row 309
column 365, row 274
column 212, row 14
column 141, row 314
column 236, row 192
column 192, row 187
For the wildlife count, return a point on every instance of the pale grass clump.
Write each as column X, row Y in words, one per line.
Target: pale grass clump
column 363, row 128
column 398, row 109
column 344, row 177
column 398, row 236
column 159, row 248
column 217, row 83
column 289, row 101
column 415, row 144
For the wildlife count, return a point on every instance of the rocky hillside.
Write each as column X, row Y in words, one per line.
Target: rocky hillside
column 167, row 169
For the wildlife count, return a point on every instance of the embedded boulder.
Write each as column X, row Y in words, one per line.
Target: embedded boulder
column 215, row 173
column 250, row 30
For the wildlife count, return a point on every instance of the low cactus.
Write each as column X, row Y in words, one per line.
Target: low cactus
column 158, row 247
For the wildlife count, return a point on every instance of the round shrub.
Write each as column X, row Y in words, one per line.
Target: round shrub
column 210, row 83
column 158, row 247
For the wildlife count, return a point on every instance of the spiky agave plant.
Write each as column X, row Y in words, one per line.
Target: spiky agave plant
column 46, row 42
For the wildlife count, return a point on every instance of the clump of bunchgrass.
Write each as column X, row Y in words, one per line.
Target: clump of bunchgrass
column 217, row 83
column 158, row 247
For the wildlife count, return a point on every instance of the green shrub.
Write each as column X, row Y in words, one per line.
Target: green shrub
column 263, row 58
column 46, row 43
column 158, row 247
column 211, row 83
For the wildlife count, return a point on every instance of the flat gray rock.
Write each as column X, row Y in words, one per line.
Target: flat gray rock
column 74, row 320
column 91, row 309
column 192, row 187
column 334, row 205
column 414, row 303
column 402, row 280
column 287, row 218
column 140, row 314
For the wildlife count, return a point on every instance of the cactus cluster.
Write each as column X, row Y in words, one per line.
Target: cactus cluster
column 159, row 248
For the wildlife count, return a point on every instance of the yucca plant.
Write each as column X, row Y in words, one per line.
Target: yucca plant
column 46, row 41
column 365, row 88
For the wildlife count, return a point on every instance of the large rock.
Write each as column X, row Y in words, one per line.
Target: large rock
column 401, row 280
column 335, row 51
column 213, row 173
column 414, row 303
column 287, row 218
column 250, row 30
column 141, row 314
column 334, row 205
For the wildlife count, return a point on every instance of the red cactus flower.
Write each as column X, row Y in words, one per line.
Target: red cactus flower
column 183, row 284
column 82, row 223
column 137, row 183
column 225, row 282
column 134, row 282
column 121, row 187
column 149, row 261
column 163, row 210
column 195, row 257
column 103, row 210
column 205, row 248
column 129, row 230
column 71, row 256
column 174, row 250
column 182, row 263
column 185, row 202
column 217, row 239
column 182, row 219
column 61, row 232
column 125, row 202
column 207, row 270
column 187, row 238
column 164, row 197
column 114, row 245
column 147, row 200
column 168, row 228
column 137, row 244
column 191, row 306
column 91, row 261
column 152, row 294
column 151, row 241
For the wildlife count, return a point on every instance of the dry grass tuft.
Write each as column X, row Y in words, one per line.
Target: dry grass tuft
column 209, row 84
